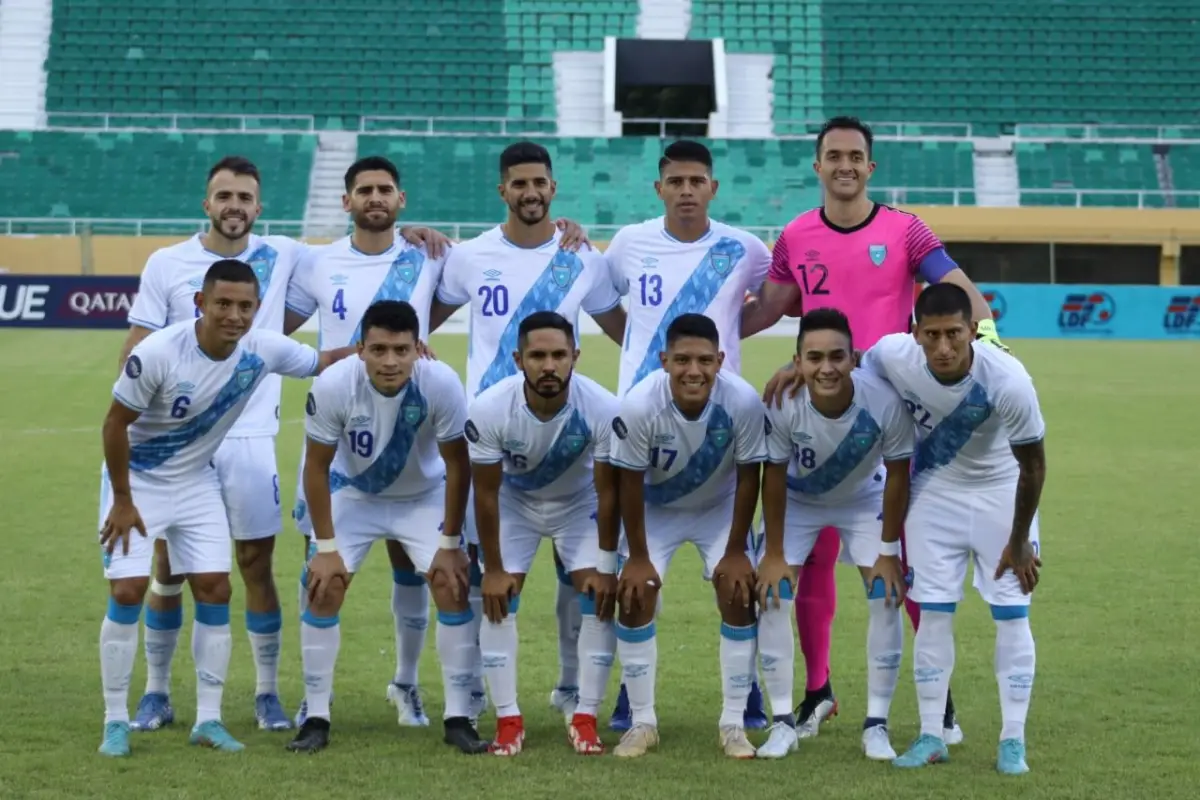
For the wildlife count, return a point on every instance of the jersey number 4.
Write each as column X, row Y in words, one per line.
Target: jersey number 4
column 339, row 304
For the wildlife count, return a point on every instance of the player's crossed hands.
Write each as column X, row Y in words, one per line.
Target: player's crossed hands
column 122, row 519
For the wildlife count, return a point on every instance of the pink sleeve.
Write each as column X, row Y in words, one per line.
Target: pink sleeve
column 919, row 242
column 781, row 271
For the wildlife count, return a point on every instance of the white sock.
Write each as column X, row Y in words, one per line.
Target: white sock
column 212, row 642
column 777, row 655
column 885, row 646
column 266, row 637
column 302, row 602
column 737, row 670
column 597, row 644
column 570, row 621
column 638, row 650
column 498, row 643
column 320, row 640
column 933, row 664
column 410, row 612
column 162, row 637
column 1015, row 663
column 475, row 598
column 457, row 651
column 118, row 651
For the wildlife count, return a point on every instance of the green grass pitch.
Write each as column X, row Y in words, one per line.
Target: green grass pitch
column 1117, row 622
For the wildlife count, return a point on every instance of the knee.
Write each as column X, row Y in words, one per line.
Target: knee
column 211, row 588
column 162, row 566
column 441, row 588
column 128, row 592
column 254, row 559
column 642, row 613
column 328, row 606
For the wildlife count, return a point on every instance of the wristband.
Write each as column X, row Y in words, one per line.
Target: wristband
column 889, row 549
column 326, row 545
column 448, row 542
column 606, row 564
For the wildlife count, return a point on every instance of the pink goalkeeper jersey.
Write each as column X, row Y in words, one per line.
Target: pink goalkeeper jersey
column 868, row 272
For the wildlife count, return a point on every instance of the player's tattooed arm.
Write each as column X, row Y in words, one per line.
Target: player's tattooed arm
column 1032, row 460
column 135, row 335
column 318, row 458
column 458, row 484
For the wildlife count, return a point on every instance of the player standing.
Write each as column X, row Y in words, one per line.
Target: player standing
column 245, row 462
column 519, row 267
column 690, row 445
column 540, row 447
column 386, row 459
column 979, row 468
column 180, row 392
column 840, row 453
column 863, row 258
column 683, row 263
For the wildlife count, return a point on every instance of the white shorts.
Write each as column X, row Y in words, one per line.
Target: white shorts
column 359, row 522
column 667, row 529
column 250, row 485
column 189, row 515
column 860, row 527
column 570, row 526
column 944, row 532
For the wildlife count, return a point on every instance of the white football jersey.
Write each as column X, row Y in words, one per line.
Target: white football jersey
column 665, row 278
column 189, row 402
column 690, row 463
column 505, row 283
column 543, row 460
column 386, row 446
column 835, row 462
column 339, row 282
column 964, row 431
column 174, row 274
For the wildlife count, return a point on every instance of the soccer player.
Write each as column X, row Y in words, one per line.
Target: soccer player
column 978, row 473
column 863, row 258
column 338, row 283
column 690, row 446
column 386, row 459
column 521, row 266
column 245, row 462
column 683, row 263
column 180, row 392
column 540, row 443
column 839, row 453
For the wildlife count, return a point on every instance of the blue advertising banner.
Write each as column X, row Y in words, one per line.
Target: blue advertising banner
column 66, row 301
column 1059, row 311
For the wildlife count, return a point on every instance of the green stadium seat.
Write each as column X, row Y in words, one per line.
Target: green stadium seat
column 1109, row 174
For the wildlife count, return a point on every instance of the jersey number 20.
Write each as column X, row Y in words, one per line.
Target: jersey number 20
column 495, row 300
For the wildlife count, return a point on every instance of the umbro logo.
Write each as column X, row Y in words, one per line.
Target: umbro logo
column 492, row 274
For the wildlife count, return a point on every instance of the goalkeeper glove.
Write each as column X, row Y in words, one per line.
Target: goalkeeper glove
column 987, row 333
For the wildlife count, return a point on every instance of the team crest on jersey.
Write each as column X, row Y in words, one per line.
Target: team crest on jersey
column 561, row 274
column 722, row 263
column 976, row 412
column 412, row 414
column 720, row 436
column 406, row 273
column 877, row 252
column 196, row 283
column 244, row 378
column 262, row 270
column 574, row 443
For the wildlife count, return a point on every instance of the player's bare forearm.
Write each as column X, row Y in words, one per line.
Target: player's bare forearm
column 328, row 358
column 486, row 480
column 115, row 433
column 745, row 500
column 458, row 485
column 608, row 512
column 631, row 496
column 612, row 323
column 439, row 312
column 980, row 309
column 318, row 458
column 292, row 321
column 135, row 335
column 774, row 502
column 767, row 308
column 895, row 498
column 1032, row 460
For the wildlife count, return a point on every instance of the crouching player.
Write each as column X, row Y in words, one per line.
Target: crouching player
column 978, row 473
column 690, row 446
column 386, row 460
column 825, row 446
column 179, row 393
column 540, row 466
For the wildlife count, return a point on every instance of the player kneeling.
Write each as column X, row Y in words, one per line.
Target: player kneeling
column 386, row 460
column 690, row 444
column 825, row 447
column 539, row 452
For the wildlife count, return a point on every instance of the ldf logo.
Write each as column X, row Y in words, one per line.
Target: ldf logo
column 1183, row 315
column 1088, row 313
column 997, row 303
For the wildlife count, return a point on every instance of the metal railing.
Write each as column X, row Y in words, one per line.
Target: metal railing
column 1103, row 198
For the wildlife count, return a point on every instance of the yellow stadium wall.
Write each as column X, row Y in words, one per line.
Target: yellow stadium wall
column 1167, row 228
